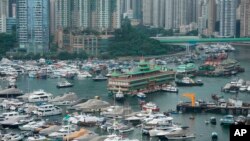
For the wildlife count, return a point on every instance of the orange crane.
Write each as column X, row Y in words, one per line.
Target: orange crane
column 191, row 96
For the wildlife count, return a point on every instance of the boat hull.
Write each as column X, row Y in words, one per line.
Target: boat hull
column 67, row 86
column 188, row 84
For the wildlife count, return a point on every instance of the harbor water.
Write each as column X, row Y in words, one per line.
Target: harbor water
column 87, row 88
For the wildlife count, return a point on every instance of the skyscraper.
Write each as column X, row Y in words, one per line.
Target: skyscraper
column 4, row 8
column 203, row 16
column 245, row 18
column 169, row 12
column 84, row 13
column 137, row 9
column 227, row 17
column 12, row 8
column 33, row 25
column 52, row 21
column 211, row 16
column 147, row 10
column 62, row 13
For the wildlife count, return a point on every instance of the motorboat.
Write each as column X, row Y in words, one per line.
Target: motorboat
column 48, row 110
column 64, row 131
column 243, row 88
column 181, row 133
column 12, row 137
column 214, row 136
column 170, row 88
column 32, row 125
column 8, row 115
column 64, row 84
column 36, row 138
column 65, row 99
column 240, row 120
column 141, row 95
column 186, row 81
column 119, row 96
column 227, row 120
column 15, row 122
column 99, row 78
column 150, row 107
column 213, row 120
column 161, row 129
column 114, row 137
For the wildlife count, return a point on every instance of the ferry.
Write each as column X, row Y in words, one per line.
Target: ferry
column 145, row 78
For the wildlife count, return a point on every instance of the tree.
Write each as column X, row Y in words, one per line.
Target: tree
column 136, row 41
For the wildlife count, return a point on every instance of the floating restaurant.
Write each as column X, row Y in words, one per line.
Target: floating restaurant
column 145, row 78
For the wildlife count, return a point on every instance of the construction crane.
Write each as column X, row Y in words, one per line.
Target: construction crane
column 190, row 96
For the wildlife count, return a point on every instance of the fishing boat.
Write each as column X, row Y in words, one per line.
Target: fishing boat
column 64, row 84
column 170, row 88
column 187, row 81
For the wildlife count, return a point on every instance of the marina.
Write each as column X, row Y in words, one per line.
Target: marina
column 153, row 104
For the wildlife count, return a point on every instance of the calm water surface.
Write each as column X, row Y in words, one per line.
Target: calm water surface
column 166, row 101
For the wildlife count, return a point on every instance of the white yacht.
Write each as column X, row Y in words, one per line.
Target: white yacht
column 118, row 138
column 64, row 131
column 48, row 110
column 37, row 138
column 37, row 96
column 32, row 125
column 12, row 137
column 8, row 115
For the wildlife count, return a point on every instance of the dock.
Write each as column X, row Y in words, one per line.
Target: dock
column 188, row 108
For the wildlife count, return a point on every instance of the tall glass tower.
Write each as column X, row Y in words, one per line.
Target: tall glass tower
column 33, row 25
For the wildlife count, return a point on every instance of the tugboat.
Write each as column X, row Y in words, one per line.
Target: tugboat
column 64, row 84
column 119, row 96
column 186, row 81
column 100, row 78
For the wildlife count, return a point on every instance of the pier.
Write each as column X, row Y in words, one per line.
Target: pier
column 187, row 108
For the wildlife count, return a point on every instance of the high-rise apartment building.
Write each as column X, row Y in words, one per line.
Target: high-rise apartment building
column 169, row 12
column 245, row 18
column 12, row 8
column 147, row 10
column 62, row 13
column 227, row 18
column 211, row 16
column 33, row 25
